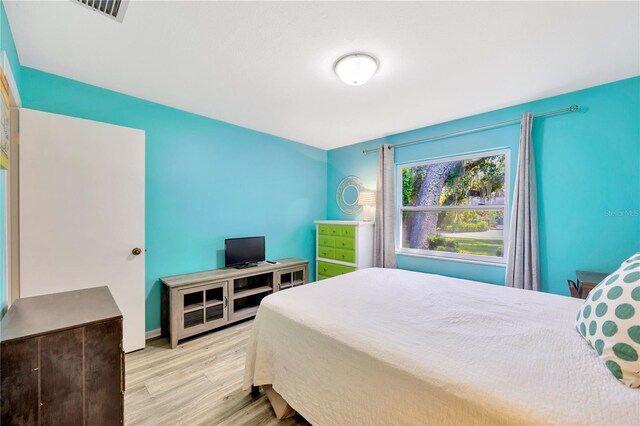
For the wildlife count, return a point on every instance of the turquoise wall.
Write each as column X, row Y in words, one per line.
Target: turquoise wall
column 588, row 166
column 205, row 180
column 7, row 45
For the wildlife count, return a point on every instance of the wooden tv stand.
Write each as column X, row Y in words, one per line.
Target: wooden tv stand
column 203, row 301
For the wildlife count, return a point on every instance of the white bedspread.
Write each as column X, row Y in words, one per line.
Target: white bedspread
column 383, row 346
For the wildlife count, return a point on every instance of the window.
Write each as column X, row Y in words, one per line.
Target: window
column 454, row 207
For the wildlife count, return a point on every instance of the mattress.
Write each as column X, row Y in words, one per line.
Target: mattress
column 383, row 346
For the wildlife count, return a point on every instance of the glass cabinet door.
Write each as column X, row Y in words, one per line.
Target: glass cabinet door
column 290, row 278
column 203, row 306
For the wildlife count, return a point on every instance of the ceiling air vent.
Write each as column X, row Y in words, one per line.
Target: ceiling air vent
column 111, row 8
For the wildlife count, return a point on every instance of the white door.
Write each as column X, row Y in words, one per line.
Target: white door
column 82, row 211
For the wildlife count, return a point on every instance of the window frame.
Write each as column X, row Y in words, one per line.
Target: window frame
column 443, row 255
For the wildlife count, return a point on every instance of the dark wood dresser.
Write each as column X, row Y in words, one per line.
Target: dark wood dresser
column 62, row 360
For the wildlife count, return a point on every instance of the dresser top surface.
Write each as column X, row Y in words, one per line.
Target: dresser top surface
column 591, row 277
column 33, row 316
column 344, row 222
column 229, row 273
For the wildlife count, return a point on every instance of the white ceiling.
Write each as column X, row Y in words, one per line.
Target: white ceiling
column 268, row 66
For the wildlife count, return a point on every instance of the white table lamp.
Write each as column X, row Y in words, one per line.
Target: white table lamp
column 366, row 200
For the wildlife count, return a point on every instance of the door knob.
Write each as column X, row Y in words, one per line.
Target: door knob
column 136, row 251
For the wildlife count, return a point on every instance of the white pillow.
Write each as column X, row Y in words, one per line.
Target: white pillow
column 610, row 321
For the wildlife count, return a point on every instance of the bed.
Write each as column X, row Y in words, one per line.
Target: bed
column 383, row 346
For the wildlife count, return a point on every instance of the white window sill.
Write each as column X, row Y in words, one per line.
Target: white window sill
column 488, row 262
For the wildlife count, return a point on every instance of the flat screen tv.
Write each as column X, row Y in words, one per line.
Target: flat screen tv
column 243, row 252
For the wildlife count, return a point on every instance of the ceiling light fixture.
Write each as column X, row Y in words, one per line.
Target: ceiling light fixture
column 356, row 69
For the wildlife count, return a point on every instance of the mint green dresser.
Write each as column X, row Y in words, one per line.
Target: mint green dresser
column 342, row 246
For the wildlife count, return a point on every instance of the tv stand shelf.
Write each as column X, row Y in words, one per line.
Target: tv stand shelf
column 252, row 291
column 202, row 301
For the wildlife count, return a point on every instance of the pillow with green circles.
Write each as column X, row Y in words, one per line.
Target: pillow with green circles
column 610, row 321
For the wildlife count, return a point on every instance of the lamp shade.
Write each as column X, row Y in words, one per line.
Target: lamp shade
column 367, row 198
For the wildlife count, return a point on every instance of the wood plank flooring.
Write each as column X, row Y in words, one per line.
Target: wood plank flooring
column 198, row 383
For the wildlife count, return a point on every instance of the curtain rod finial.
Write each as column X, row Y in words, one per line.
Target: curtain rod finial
column 574, row 108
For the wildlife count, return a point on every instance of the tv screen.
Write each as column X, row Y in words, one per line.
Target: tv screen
column 242, row 251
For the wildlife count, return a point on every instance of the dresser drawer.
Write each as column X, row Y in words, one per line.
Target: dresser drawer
column 327, row 269
column 323, row 229
column 334, row 230
column 348, row 231
column 345, row 243
column 326, row 252
column 345, row 255
column 326, row 241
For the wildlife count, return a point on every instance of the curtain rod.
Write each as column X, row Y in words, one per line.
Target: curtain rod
column 572, row 108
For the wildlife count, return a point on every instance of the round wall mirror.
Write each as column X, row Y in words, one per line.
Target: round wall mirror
column 350, row 195
column 347, row 194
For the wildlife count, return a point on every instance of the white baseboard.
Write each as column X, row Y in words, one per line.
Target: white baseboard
column 152, row 334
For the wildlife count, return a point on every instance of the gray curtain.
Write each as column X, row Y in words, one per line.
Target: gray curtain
column 384, row 251
column 522, row 261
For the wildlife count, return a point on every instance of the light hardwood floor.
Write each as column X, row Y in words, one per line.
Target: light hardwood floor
column 198, row 383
